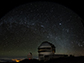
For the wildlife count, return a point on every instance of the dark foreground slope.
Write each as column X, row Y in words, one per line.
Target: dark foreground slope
column 67, row 60
column 58, row 60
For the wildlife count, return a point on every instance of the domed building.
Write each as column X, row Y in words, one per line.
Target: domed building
column 46, row 50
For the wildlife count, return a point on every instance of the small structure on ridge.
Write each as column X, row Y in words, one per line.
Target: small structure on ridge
column 29, row 56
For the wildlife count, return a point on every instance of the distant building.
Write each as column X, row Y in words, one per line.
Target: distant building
column 46, row 51
column 29, row 56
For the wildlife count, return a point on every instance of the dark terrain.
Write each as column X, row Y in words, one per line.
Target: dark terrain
column 58, row 60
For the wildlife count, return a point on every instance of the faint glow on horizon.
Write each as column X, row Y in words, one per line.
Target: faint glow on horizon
column 17, row 60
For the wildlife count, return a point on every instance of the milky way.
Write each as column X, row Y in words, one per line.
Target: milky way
column 25, row 27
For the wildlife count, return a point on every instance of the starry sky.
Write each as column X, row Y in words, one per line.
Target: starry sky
column 25, row 27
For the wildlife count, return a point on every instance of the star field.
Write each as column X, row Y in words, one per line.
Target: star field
column 24, row 28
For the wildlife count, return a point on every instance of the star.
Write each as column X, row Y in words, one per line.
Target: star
column 60, row 24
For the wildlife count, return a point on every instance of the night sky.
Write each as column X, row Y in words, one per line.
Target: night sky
column 25, row 27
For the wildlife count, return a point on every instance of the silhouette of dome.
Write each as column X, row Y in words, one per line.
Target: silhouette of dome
column 46, row 44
